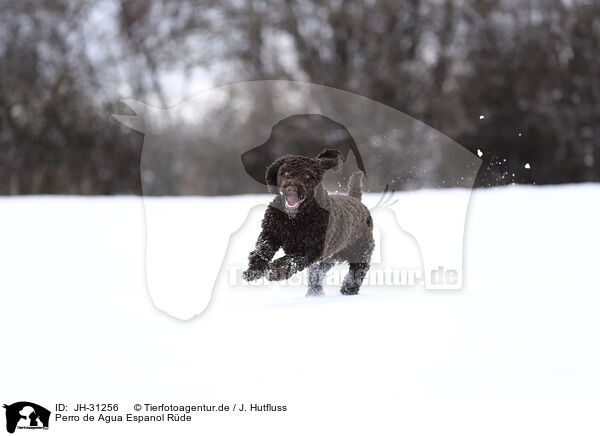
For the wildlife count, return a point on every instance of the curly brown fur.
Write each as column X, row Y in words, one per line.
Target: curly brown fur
column 314, row 229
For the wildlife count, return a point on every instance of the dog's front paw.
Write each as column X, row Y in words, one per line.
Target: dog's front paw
column 282, row 268
column 252, row 274
column 281, row 273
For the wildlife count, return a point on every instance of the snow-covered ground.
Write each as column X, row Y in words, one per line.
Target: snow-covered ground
column 516, row 351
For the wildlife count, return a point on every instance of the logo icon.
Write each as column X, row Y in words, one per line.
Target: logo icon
column 26, row 415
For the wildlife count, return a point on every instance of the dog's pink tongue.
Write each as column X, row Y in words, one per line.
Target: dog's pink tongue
column 292, row 201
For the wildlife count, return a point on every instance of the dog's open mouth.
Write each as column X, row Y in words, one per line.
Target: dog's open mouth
column 292, row 202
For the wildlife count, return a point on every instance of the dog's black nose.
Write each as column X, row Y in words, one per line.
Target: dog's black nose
column 291, row 190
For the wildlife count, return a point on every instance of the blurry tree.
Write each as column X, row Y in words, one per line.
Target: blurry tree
column 55, row 137
column 515, row 79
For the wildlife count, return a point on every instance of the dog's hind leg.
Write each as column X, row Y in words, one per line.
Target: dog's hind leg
column 316, row 276
column 359, row 258
column 354, row 278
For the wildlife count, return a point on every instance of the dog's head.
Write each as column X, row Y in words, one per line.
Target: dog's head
column 295, row 178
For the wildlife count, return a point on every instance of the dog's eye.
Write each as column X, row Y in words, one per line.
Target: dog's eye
column 286, row 174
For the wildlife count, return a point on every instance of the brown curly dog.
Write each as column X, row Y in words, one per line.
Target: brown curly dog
column 315, row 229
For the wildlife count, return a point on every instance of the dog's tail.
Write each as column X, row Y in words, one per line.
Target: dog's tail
column 355, row 185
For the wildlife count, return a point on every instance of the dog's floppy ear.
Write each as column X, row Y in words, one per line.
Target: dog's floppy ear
column 330, row 158
column 271, row 174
